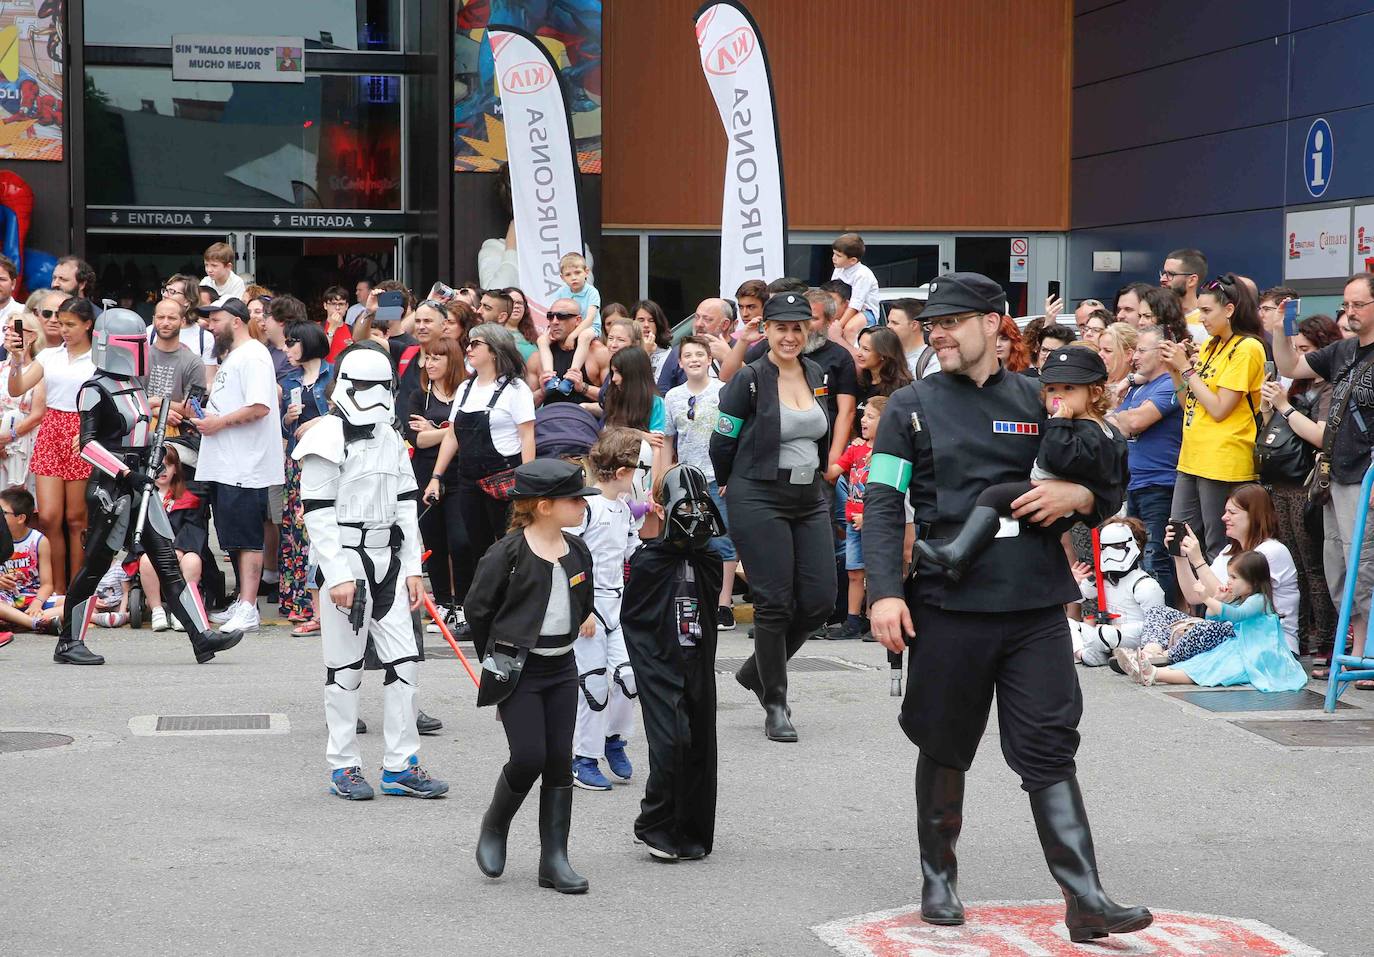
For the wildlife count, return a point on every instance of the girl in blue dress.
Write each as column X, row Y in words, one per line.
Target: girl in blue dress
column 1257, row 655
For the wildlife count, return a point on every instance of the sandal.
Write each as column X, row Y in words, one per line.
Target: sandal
column 306, row 628
column 1321, row 673
column 1364, row 684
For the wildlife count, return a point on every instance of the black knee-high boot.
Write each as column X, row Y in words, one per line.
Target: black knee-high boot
column 939, row 817
column 555, row 819
column 491, row 842
column 1062, row 823
column 955, row 555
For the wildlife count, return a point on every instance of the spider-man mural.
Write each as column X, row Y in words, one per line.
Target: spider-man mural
column 31, row 79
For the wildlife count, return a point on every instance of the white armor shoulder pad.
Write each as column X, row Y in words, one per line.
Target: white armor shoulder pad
column 325, row 440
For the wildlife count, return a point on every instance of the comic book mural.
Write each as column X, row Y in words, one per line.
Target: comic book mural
column 31, row 79
column 569, row 29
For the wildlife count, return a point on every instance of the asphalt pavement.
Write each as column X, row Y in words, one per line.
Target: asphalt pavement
column 142, row 844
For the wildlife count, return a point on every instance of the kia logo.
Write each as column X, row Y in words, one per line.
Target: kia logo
column 730, row 52
column 528, row 77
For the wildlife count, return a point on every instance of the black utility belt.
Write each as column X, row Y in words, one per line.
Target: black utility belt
column 799, row 476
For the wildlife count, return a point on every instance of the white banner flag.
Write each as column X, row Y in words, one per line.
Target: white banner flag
column 543, row 166
column 753, row 225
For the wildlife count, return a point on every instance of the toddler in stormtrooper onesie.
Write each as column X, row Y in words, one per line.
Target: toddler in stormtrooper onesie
column 1130, row 590
column 605, row 703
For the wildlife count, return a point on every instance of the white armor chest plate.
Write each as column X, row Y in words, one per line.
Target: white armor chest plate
column 370, row 480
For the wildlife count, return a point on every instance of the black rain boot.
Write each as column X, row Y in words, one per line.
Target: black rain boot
column 555, row 818
column 955, row 555
column 425, row 724
column 73, row 651
column 491, row 842
column 1062, row 823
column 770, row 655
column 207, row 645
column 939, row 817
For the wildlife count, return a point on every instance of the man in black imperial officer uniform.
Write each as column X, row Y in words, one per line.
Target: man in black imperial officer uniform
column 942, row 440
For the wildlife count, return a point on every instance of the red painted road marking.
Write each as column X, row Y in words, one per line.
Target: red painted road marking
column 1036, row 929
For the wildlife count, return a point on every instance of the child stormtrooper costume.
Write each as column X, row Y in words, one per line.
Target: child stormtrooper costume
column 606, row 680
column 1130, row 590
column 359, row 496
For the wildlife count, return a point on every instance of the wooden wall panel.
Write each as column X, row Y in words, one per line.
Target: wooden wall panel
column 895, row 114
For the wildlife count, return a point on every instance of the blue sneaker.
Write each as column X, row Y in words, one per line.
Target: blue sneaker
column 414, row 781
column 348, row 783
column 565, row 386
column 616, row 759
column 586, row 774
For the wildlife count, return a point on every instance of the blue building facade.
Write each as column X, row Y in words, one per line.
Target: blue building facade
column 1195, row 124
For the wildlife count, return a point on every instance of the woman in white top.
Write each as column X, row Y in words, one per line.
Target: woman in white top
column 1251, row 524
column 60, row 473
column 21, row 415
column 493, row 432
column 654, row 332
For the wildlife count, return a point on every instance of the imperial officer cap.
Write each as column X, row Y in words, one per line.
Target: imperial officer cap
column 955, row 293
column 232, row 306
column 1073, row 365
column 551, row 478
column 786, row 307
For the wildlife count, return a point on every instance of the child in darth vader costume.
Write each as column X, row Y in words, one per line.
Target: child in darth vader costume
column 116, row 440
column 669, row 619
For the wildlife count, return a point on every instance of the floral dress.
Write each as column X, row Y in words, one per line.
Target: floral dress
column 293, row 556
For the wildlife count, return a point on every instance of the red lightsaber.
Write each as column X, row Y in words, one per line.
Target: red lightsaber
column 1103, row 615
column 443, row 630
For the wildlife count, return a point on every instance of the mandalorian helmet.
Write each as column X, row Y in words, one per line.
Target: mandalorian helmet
column 119, row 346
column 690, row 517
column 1120, row 550
column 365, row 386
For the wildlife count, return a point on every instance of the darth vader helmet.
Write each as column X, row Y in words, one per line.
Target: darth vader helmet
column 689, row 516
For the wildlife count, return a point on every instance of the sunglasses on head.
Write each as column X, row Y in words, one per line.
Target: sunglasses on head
column 1224, row 286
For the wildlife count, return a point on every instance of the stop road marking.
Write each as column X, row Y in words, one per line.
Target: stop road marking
column 1036, row 929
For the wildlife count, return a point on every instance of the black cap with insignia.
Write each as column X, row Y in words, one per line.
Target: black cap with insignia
column 956, row 293
column 1073, row 365
column 786, row 307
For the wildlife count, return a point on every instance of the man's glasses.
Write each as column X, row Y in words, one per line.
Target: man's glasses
column 1352, row 306
column 561, row 316
column 691, row 408
column 947, row 323
column 336, row 302
column 48, row 313
column 1169, row 275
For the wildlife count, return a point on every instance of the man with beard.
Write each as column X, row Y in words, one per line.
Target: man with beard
column 568, row 384
column 1001, row 628
column 240, row 452
column 1182, row 272
column 713, row 321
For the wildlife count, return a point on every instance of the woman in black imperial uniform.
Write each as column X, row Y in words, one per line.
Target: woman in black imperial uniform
column 941, row 441
column 769, row 451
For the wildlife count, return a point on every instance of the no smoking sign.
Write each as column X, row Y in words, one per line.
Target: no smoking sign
column 1036, row 929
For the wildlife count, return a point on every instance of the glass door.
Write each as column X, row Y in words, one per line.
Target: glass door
column 130, row 268
column 306, row 266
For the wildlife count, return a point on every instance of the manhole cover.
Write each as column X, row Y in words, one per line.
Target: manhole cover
column 213, row 722
column 11, row 741
column 1350, row 733
column 1232, row 701
column 796, row 665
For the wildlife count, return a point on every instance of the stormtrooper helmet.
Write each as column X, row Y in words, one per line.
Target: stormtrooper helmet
column 1120, row 550
column 364, row 386
column 690, row 517
column 119, row 345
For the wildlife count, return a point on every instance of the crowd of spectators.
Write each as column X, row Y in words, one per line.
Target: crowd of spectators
column 1254, row 439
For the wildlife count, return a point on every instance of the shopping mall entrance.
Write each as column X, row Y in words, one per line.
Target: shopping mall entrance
column 131, row 266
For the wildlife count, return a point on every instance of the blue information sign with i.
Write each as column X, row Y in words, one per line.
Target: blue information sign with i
column 1318, row 157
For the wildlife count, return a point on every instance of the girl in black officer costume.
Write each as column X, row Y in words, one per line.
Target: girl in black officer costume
column 769, row 451
column 529, row 599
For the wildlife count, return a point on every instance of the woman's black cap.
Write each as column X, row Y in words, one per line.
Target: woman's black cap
column 551, row 478
column 787, row 307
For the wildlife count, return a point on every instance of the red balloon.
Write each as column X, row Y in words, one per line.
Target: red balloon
column 16, row 194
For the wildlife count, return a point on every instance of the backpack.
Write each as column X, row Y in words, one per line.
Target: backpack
column 922, row 360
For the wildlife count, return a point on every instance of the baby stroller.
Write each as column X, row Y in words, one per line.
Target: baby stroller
column 564, row 429
column 190, row 530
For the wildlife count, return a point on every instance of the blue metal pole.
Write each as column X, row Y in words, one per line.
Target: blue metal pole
column 1339, row 659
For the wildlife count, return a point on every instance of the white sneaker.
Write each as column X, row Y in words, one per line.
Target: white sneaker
column 158, row 620
column 245, row 619
column 224, row 614
column 175, row 623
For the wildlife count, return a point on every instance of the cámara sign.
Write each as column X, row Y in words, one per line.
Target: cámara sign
column 238, row 59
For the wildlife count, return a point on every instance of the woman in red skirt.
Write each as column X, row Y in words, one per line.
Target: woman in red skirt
column 60, row 473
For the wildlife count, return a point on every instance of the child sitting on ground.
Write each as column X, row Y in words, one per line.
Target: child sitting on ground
column 26, row 600
column 853, row 464
column 188, row 531
column 1257, row 654
column 577, row 286
column 1078, row 445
